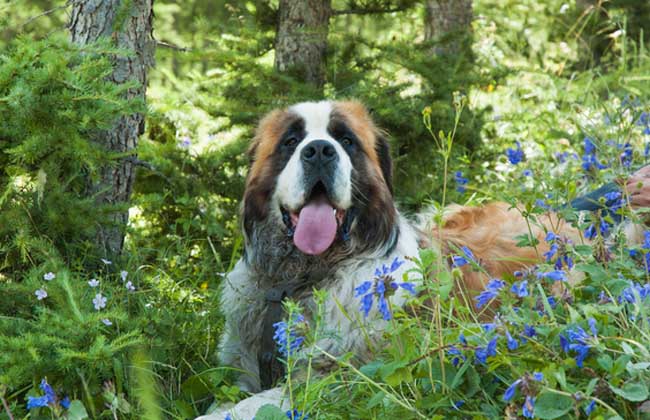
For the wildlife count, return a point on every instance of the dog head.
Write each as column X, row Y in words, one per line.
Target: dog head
column 321, row 172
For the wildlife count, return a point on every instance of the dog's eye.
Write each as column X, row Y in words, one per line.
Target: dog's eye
column 291, row 141
column 346, row 141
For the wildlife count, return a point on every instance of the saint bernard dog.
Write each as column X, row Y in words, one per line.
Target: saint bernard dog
column 318, row 213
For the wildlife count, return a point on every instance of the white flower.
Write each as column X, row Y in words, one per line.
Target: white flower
column 99, row 301
column 129, row 286
column 93, row 283
column 107, row 262
column 123, row 274
column 107, row 322
column 41, row 294
column 49, row 276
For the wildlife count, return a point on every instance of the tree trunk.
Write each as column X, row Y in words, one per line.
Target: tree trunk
column 128, row 24
column 448, row 24
column 301, row 39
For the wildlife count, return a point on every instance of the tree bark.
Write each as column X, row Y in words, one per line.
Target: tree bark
column 448, row 24
column 129, row 25
column 301, row 39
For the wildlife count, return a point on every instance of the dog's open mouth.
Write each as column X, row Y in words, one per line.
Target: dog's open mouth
column 315, row 225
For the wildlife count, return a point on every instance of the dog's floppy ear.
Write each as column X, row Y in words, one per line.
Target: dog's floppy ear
column 385, row 162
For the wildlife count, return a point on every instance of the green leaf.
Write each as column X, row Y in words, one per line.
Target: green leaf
column 77, row 411
column 550, row 405
column 596, row 272
column 270, row 412
column 631, row 391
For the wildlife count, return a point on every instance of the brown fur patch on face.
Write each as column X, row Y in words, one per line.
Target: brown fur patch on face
column 260, row 181
column 357, row 118
column 373, row 140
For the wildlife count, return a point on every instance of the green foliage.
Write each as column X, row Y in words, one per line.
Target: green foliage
column 52, row 97
column 541, row 73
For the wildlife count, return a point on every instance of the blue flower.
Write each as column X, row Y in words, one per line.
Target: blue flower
column 35, row 402
column 460, row 182
column 528, row 409
column 49, row 392
column 457, row 355
column 542, row 204
column 228, row 417
column 603, row 228
column 286, row 336
column 458, row 404
column 385, row 270
column 589, row 159
column 538, row 376
column 482, row 353
column 578, row 341
column 590, row 407
column 510, row 392
column 626, row 155
column 491, row 291
column 65, row 403
column 551, row 252
column 529, row 330
column 527, row 172
column 552, row 302
column 296, row 415
column 556, row 275
column 520, row 289
column 550, row 237
column 513, row 344
column 459, row 260
column 409, row 287
column 629, row 293
column 515, row 155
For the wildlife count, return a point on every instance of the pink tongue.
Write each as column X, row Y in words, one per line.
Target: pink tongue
column 316, row 228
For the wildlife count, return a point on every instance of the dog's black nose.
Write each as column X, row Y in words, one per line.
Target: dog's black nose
column 319, row 151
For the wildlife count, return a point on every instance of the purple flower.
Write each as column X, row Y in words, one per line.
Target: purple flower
column 106, row 262
column 515, row 155
column 129, row 286
column 49, row 276
column 124, row 274
column 40, row 294
column 93, row 283
column 107, row 322
column 286, row 336
column 99, row 301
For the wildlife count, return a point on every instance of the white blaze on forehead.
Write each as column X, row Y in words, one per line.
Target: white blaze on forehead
column 316, row 116
column 290, row 190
